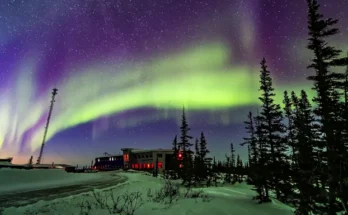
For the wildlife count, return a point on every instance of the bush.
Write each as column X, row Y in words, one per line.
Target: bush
column 125, row 204
column 169, row 193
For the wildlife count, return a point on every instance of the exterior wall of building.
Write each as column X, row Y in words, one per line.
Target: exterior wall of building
column 109, row 162
column 135, row 159
column 146, row 159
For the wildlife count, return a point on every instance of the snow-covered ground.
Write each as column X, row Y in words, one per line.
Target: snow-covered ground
column 19, row 180
column 224, row 200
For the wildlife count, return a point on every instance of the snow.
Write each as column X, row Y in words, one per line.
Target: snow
column 223, row 200
column 13, row 180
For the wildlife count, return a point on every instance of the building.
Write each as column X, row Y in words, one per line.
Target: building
column 6, row 160
column 138, row 159
column 110, row 162
column 142, row 159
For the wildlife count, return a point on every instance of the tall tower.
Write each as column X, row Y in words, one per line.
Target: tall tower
column 54, row 93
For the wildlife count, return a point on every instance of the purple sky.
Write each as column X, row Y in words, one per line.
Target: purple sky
column 63, row 38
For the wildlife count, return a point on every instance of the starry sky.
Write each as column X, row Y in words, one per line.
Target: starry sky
column 125, row 69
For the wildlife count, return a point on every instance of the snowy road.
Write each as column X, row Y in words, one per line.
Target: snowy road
column 30, row 197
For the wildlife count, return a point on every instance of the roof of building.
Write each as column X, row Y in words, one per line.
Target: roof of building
column 150, row 150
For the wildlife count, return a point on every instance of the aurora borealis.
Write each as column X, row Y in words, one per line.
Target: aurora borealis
column 125, row 69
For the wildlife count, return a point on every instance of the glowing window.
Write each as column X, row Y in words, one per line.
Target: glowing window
column 126, row 157
column 159, row 165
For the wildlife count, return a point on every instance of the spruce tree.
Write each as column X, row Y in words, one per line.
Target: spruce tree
column 270, row 120
column 205, row 160
column 290, row 127
column 214, row 173
column 249, row 153
column 176, row 163
column 228, row 169
column 239, row 169
column 233, row 164
column 197, row 163
column 343, row 173
column 184, row 146
column 327, row 99
column 305, row 143
column 260, row 173
column 251, row 141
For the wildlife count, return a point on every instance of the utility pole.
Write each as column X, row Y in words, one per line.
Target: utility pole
column 54, row 93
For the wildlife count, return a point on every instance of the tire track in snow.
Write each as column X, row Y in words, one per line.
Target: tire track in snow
column 31, row 197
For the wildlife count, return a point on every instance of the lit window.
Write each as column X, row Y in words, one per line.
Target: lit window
column 126, row 157
column 159, row 165
column 136, row 166
column 148, row 165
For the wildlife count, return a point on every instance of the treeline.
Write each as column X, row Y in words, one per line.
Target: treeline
column 193, row 167
column 197, row 168
column 299, row 153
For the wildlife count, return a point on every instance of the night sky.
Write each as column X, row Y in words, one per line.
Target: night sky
column 125, row 69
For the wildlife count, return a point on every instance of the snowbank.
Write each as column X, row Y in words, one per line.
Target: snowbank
column 19, row 180
column 227, row 200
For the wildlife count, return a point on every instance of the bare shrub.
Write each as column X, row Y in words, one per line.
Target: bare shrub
column 101, row 199
column 125, row 204
column 85, row 207
column 170, row 193
column 167, row 194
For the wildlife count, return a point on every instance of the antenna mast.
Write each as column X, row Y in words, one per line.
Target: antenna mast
column 54, row 93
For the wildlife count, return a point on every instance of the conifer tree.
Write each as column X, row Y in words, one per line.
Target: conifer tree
column 249, row 153
column 233, row 164
column 251, row 141
column 214, row 172
column 290, row 127
column 203, row 156
column 305, row 143
column 197, row 163
column 228, row 169
column 260, row 168
column 176, row 163
column 271, row 126
column 343, row 195
column 239, row 169
column 184, row 146
column 327, row 99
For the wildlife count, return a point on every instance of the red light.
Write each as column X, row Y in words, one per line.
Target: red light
column 180, row 166
column 159, row 166
column 148, row 165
